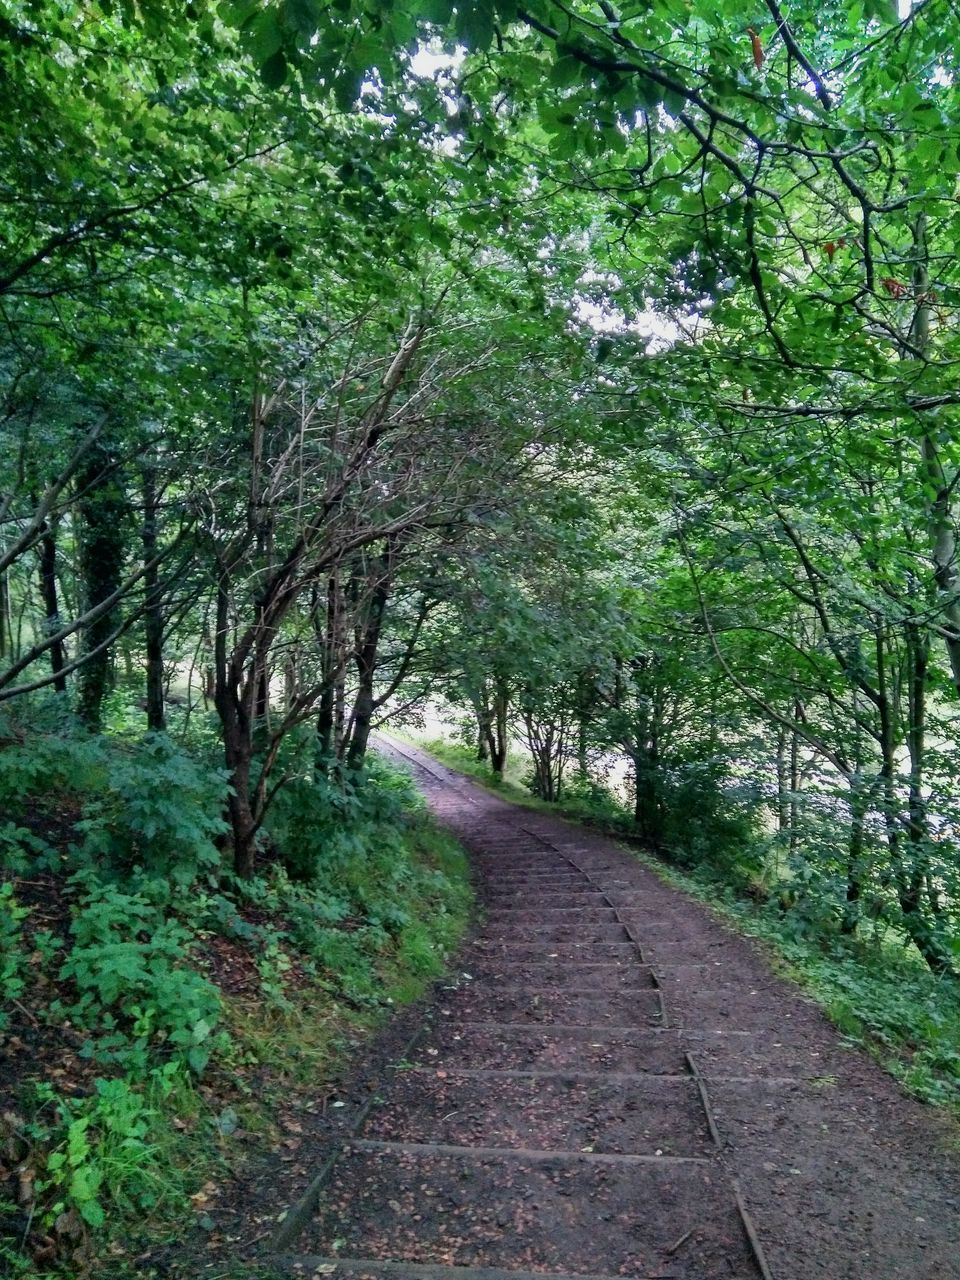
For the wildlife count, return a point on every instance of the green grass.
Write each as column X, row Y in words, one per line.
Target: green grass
column 464, row 760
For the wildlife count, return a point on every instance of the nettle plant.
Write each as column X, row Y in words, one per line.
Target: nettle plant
column 13, row 961
column 102, row 1151
column 134, row 993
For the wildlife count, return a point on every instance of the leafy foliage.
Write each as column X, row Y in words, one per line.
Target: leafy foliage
column 13, row 962
column 126, row 964
column 137, row 983
column 160, row 812
column 105, row 1151
column 592, row 372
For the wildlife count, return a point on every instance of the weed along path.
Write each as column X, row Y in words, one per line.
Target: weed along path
column 618, row 1086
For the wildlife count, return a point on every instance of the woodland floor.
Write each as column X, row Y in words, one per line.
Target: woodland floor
column 614, row 1085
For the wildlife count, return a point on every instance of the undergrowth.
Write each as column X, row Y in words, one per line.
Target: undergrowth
column 876, row 993
column 154, row 1010
column 872, row 985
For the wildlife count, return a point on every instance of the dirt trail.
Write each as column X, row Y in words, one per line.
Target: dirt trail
column 618, row 1086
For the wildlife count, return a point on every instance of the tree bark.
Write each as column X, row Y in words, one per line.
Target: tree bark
column 329, row 636
column 856, row 863
column 795, row 779
column 51, row 606
column 497, row 739
column 103, row 508
column 366, row 660
column 6, row 631
column 783, row 786
column 153, row 611
column 230, row 700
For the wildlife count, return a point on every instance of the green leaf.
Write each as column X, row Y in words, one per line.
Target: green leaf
column 273, row 72
column 475, row 23
column 236, row 13
column 265, row 37
column 565, row 71
column 881, row 10
column 303, row 16
column 197, row 1059
column 439, row 12
column 92, row 1213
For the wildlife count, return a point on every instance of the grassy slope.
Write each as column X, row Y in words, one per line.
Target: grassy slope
column 114, row 1134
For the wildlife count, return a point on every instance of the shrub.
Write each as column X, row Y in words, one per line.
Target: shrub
column 45, row 763
column 13, row 962
column 21, row 850
column 709, row 821
column 127, row 964
column 100, row 1148
column 160, row 810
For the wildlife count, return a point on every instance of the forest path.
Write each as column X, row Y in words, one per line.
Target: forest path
column 619, row 1086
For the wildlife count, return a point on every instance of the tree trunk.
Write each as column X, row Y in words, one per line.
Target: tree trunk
column 647, row 804
column 209, row 666
column 232, row 705
column 339, row 714
column 917, row 894
column 582, row 740
column 329, row 633
column 856, row 862
column 497, row 738
column 918, row 647
column 362, row 719
column 365, row 705
column 783, row 805
column 480, row 700
column 795, row 780
column 6, row 631
column 261, row 706
column 325, row 727
column 51, row 606
column 103, row 508
column 291, row 682
column 242, row 821
column 153, row 613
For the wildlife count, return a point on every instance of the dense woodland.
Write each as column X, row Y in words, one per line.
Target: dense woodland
column 590, row 371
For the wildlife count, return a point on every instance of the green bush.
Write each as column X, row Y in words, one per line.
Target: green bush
column 146, row 804
column 709, row 821
column 101, row 1149
column 13, row 961
column 159, row 810
column 45, row 764
column 371, row 883
column 379, row 898
column 21, row 851
column 586, row 798
column 128, row 964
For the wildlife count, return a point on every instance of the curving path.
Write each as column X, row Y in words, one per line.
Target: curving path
column 618, row 1086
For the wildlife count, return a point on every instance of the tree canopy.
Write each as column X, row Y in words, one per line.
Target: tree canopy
column 592, row 368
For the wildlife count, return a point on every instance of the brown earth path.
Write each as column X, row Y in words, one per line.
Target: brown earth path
column 617, row 1085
